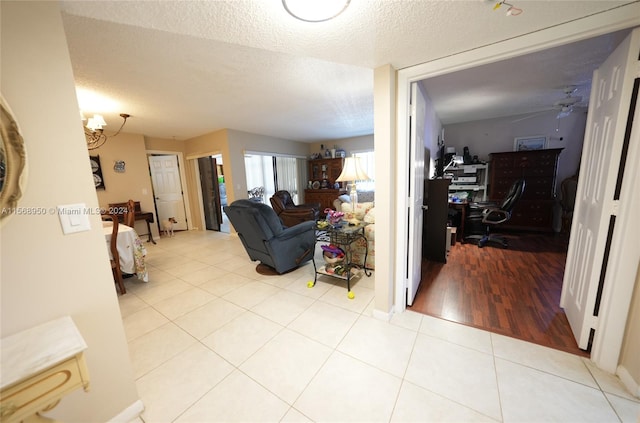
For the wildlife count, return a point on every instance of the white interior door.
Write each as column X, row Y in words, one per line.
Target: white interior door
column 596, row 201
column 167, row 188
column 416, row 192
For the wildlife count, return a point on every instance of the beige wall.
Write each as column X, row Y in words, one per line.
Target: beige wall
column 134, row 183
column 45, row 274
column 385, row 81
column 630, row 357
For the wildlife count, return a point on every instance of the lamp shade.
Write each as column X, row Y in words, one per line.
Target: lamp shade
column 352, row 171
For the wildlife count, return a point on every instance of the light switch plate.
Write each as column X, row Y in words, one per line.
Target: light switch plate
column 74, row 218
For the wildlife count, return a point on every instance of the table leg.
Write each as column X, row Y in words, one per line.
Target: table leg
column 150, row 234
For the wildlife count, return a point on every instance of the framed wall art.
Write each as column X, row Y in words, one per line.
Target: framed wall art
column 537, row 142
column 98, row 180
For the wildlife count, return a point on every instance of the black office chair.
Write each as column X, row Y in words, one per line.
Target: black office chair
column 486, row 215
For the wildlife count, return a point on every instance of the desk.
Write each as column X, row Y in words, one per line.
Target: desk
column 462, row 207
column 130, row 249
column 119, row 208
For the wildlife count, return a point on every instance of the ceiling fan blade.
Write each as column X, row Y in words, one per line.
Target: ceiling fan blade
column 529, row 116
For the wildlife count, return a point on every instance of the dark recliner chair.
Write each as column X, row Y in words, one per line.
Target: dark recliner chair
column 267, row 240
column 290, row 213
column 486, row 215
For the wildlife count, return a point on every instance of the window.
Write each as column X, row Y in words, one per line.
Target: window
column 267, row 174
column 367, row 161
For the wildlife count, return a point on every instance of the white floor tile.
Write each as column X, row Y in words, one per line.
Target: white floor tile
column 283, row 307
column 535, row 396
column 174, row 386
column 242, row 337
column 325, row 323
column 251, row 294
column 224, row 284
column 143, row 321
column 236, row 399
column 346, row 389
column 608, row 382
column 208, row 318
column 628, row 410
column 379, row 344
column 282, row 343
column 462, row 374
column 552, row 361
column 154, row 348
column 183, row 303
column 416, row 404
column 337, row 296
column 286, row 364
column 456, row 333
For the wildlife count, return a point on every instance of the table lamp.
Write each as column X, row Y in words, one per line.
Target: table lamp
column 352, row 172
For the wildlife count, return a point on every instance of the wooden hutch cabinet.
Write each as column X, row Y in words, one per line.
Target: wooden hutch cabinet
column 322, row 175
column 534, row 211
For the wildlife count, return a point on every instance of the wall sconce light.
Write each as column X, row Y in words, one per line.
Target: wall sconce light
column 94, row 133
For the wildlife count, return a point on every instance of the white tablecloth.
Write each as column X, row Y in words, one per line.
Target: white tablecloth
column 130, row 249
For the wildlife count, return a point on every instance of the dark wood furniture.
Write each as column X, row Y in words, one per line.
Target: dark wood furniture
column 115, row 261
column 120, row 209
column 434, row 225
column 322, row 177
column 461, row 207
column 534, row 210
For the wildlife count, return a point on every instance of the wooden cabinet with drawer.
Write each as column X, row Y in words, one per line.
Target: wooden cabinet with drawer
column 322, row 178
column 534, row 211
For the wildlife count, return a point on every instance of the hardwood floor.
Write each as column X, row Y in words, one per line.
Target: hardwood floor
column 514, row 291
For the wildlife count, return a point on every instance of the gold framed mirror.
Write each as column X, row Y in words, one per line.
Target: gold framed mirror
column 13, row 161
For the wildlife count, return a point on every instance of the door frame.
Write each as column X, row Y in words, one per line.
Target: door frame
column 588, row 27
column 193, row 160
column 183, row 180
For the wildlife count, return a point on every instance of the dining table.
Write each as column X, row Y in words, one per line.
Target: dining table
column 131, row 250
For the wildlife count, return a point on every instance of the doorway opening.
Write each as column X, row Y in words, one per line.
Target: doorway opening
column 213, row 192
column 167, row 182
column 461, row 293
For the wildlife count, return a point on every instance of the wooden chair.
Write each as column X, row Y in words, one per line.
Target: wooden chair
column 129, row 217
column 115, row 261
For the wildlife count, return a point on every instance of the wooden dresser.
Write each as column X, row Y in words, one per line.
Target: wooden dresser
column 322, row 176
column 534, row 211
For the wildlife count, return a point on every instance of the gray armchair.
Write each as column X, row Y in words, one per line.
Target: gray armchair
column 266, row 239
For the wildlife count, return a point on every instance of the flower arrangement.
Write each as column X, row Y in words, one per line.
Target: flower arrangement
column 333, row 217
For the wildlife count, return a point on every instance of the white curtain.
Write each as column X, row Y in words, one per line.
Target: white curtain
column 274, row 173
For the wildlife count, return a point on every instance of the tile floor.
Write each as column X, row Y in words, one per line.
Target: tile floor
column 212, row 340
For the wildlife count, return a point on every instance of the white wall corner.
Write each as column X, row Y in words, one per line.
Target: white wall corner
column 628, row 381
column 382, row 315
column 130, row 413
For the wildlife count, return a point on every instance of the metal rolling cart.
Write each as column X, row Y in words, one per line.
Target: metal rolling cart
column 343, row 237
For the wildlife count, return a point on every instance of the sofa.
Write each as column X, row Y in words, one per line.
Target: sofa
column 365, row 212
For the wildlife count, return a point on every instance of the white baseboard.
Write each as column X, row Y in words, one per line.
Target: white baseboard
column 130, row 413
column 628, row 381
column 381, row 315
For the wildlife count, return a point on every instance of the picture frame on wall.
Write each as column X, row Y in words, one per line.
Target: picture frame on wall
column 98, row 180
column 537, row 142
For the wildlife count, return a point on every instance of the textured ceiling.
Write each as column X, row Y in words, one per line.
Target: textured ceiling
column 186, row 68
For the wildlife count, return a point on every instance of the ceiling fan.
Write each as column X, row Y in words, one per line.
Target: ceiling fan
column 564, row 105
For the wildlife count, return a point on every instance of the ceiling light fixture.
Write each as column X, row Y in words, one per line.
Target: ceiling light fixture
column 511, row 11
column 94, row 133
column 315, row 10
